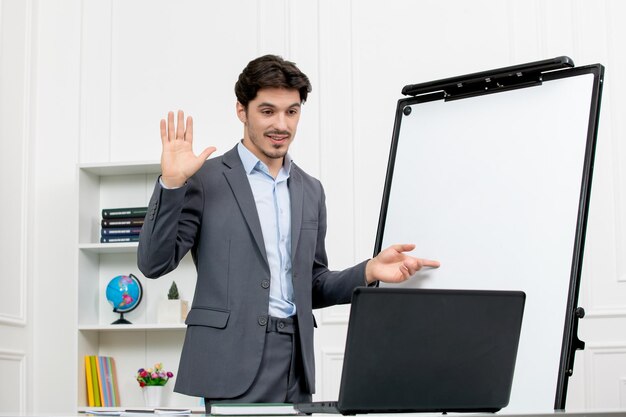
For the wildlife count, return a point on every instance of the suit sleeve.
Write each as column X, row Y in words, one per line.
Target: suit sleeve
column 332, row 287
column 170, row 228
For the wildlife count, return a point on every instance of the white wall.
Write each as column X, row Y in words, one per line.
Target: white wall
column 104, row 72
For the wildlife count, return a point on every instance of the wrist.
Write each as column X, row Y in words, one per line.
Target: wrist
column 172, row 182
column 369, row 276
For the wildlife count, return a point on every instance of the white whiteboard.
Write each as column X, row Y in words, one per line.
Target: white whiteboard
column 490, row 187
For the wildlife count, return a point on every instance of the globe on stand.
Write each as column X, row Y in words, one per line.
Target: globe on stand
column 124, row 293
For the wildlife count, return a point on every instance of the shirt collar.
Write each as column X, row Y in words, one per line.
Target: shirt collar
column 250, row 161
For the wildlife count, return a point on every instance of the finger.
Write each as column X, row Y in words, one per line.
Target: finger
column 404, row 247
column 170, row 126
column 207, row 152
column 406, row 272
column 180, row 126
column 163, row 131
column 413, row 264
column 430, row 263
column 189, row 130
column 411, row 267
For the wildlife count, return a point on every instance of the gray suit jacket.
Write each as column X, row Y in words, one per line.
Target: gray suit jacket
column 214, row 215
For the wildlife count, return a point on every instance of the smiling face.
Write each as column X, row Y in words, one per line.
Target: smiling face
column 270, row 124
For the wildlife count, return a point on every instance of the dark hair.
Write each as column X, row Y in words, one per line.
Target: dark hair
column 270, row 71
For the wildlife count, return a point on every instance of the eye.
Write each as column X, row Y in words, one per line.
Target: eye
column 267, row 112
column 293, row 112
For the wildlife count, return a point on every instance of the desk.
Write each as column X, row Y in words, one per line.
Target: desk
column 598, row 413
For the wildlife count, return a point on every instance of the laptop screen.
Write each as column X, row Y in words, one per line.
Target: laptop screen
column 430, row 350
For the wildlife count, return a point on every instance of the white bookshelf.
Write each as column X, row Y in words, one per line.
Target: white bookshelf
column 144, row 342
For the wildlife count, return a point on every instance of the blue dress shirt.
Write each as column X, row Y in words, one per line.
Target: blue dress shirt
column 271, row 196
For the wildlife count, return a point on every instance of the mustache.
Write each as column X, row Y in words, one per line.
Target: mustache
column 278, row 132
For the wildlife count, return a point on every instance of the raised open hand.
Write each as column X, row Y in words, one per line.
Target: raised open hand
column 178, row 162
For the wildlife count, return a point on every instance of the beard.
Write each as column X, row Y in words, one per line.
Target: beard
column 274, row 150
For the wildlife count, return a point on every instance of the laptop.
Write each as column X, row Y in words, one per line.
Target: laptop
column 427, row 350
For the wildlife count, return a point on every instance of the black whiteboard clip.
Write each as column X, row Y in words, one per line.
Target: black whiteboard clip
column 493, row 81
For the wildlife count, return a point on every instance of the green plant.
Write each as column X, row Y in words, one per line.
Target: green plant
column 173, row 292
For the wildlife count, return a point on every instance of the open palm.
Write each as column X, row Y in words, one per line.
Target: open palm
column 178, row 162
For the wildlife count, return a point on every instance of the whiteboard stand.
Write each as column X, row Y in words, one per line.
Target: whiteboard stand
column 490, row 173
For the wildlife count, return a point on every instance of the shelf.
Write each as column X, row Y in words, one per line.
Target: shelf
column 121, row 168
column 122, row 184
column 130, row 327
column 126, row 247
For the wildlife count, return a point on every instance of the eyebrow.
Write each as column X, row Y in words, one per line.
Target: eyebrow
column 266, row 104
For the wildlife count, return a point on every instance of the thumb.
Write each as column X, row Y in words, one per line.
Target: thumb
column 404, row 247
column 207, row 152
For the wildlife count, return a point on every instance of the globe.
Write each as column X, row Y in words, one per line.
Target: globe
column 124, row 293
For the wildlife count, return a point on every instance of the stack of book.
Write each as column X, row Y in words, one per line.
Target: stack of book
column 101, row 379
column 122, row 224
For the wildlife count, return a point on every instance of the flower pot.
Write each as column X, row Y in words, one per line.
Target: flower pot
column 152, row 395
column 172, row 311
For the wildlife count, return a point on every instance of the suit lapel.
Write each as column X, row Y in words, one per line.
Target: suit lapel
column 240, row 186
column 296, row 195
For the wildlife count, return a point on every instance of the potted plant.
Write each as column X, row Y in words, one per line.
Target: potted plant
column 152, row 381
column 173, row 310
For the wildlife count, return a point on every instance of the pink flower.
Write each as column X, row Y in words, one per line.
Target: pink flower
column 154, row 375
column 169, row 374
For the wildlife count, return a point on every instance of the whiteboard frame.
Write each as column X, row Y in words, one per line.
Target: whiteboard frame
column 530, row 75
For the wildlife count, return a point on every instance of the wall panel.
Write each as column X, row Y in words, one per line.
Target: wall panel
column 14, row 163
column 332, row 364
column 606, row 375
column 13, row 382
column 336, row 133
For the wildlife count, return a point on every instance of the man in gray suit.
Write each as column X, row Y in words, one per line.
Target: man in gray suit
column 255, row 224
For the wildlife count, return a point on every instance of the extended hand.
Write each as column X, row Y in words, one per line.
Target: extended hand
column 392, row 265
column 178, row 162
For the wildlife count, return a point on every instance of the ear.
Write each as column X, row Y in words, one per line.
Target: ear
column 242, row 113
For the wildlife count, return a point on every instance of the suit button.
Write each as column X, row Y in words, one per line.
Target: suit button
column 281, row 325
column 265, row 283
column 262, row 320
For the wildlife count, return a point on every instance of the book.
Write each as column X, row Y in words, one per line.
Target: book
column 114, row 390
column 123, row 212
column 101, row 378
column 94, row 379
column 123, row 222
column 118, row 239
column 90, row 400
column 120, row 231
column 258, row 409
column 100, row 381
column 139, row 412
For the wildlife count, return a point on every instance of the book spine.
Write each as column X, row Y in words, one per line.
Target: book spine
column 107, row 381
column 111, row 213
column 94, row 379
column 90, row 401
column 119, row 239
column 101, row 383
column 110, row 381
column 120, row 231
column 116, row 391
column 123, row 222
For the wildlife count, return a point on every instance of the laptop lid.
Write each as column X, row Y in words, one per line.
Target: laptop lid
column 430, row 350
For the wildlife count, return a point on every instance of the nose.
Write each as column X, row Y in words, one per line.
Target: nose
column 281, row 121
